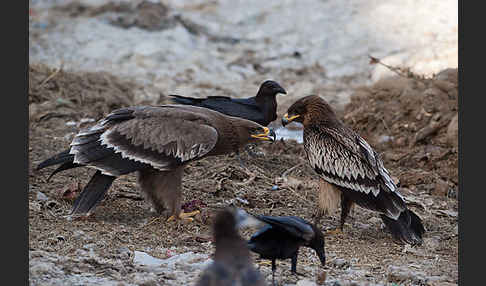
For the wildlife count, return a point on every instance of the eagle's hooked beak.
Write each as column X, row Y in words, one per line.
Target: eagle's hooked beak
column 286, row 119
column 266, row 135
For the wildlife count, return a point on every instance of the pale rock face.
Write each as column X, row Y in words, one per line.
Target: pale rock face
column 262, row 39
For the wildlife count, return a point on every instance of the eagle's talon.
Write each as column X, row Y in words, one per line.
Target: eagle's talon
column 184, row 216
column 336, row 231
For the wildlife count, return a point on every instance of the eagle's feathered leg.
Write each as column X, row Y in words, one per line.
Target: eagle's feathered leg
column 164, row 190
column 346, row 205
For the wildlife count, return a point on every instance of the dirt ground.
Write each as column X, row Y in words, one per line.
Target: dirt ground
column 411, row 122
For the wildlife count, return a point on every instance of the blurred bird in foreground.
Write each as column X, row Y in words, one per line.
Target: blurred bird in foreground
column 350, row 170
column 232, row 263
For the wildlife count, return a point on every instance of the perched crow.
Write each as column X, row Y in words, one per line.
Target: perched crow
column 232, row 262
column 282, row 236
column 157, row 142
column 261, row 108
column 351, row 171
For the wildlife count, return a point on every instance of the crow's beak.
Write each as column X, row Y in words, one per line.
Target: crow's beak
column 282, row 91
column 286, row 119
column 322, row 256
column 267, row 134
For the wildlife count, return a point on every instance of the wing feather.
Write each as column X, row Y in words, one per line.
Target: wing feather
column 296, row 226
column 157, row 136
column 181, row 135
column 347, row 160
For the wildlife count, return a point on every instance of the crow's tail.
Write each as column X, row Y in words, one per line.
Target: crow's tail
column 185, row 100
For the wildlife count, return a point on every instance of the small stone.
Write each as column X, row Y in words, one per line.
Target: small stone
column 89, row 246
column 452, row 131
column 41, row 196
column 401, row 141
column 145, row 279
column 340, row 263
column 41, row 268
column 374, row 220
column 398, row 274
column 385, row 139
column 143, row 258
column 321, row 278
column 305, row 282
column 124, row 252
column 441, row 188
column 78, row 234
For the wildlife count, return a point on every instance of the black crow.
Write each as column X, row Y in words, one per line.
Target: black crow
column 261, row 108
column 282, row 236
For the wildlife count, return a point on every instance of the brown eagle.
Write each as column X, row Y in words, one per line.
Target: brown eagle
column 157, row 142
column 350, row 169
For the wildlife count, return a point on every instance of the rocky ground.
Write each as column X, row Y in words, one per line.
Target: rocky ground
column 89, row 57
column 413, row 124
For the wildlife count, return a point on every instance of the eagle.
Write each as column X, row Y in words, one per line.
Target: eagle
column 232, row 263
column 261, row 108
column 350, row 170
column 157, row 142
column 282, row 236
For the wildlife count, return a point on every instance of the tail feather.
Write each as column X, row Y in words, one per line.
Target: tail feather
column 408, row 228
column 185, row 100
column 65, row 166
column 62, row 157
column 93, row 193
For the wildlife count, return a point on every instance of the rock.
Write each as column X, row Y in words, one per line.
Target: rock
column 398, row 274
column 78, row 234
column 124, row 252
column 448, row 75
column 41, row 196
column 450, row 213
column 202, row 265
column 401, row 142
column 305, row 282
column 184, row 259
column 385, row 139
column 143, row 258
column 440, row 283
column 441, row 188
column 41, row 268
column 321, row 277
column 452, row 131
column 374, row 220
column 89, row 246
column 144, row 279
column 340, row 263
